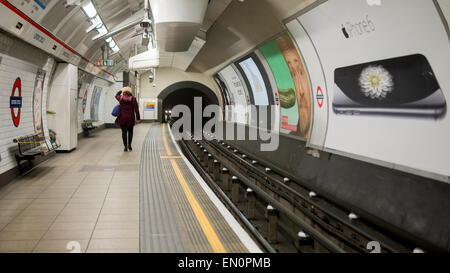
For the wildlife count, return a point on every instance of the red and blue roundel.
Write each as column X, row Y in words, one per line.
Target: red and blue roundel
column 15, row 102
column 320, row 97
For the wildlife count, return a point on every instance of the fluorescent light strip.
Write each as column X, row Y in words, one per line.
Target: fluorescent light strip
column 94, row 17
column 102, row 30
column 89, row 9
column 96, row 20
column 115, row 49
column 112, row 44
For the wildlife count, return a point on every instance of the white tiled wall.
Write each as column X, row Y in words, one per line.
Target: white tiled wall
column 19, row 59
column 10, row 69
column 110, row 101
column 62, row 100
column 105, row 105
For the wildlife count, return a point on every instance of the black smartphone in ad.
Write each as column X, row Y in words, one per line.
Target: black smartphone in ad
column 398, row 86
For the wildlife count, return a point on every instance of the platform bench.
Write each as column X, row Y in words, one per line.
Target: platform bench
column 87, row 126
column 31, row 146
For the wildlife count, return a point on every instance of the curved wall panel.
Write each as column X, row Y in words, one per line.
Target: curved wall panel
column 273, row 86
column 19, row 19
column 256, row 81
column 238, row 93
column 319, row 89
column 387, row 81
column 29, row 68
column 293, row 85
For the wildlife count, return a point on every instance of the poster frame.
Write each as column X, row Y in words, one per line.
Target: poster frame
column 40, row 75
column 379, row 162
column 262, row 71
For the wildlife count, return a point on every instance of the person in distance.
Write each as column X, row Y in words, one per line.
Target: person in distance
column 129, row 115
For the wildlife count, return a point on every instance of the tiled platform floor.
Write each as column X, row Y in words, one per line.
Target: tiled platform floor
column 87, row 198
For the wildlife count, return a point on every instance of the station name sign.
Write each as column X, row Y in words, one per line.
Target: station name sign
column 15, row 102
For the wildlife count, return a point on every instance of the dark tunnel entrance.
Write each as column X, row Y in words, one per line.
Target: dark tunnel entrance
column 184, row 93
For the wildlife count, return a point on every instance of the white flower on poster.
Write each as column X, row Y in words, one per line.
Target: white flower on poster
column 376, row 82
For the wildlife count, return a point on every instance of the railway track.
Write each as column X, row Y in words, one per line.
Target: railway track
column 281, row 214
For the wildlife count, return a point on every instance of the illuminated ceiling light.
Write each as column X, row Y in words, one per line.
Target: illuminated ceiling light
column 115, row 49
column 89, row 9
column 96, row 20
column 109, row 40
column 112, row 44
column 97, row 23
column 102, row 30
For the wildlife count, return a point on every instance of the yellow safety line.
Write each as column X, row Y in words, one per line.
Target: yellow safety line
column 210, row 234
column 169, row 152
column 43, row 149
column 170, row 157
column 202, row 219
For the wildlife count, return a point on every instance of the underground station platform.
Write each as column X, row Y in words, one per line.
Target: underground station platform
column 225, row 135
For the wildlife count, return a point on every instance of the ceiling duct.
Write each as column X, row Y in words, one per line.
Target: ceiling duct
column 177, row 22
column 155, row 58
column 144, row 61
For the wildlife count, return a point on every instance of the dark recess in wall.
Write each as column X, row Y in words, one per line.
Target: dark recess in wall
column 184, row 93
column 186, row 97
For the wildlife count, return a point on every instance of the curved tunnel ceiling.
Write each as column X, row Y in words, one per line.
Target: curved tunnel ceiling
column 242, row 27
column 230, row 19
column 61, row 19
column 69, row 23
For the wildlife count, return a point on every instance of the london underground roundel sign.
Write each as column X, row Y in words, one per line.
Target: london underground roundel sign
column 15, row 102
column 320, row 97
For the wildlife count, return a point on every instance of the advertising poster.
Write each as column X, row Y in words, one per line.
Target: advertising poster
column 319, row 99
column 84, row 102
column 98, row 95
column 228, row 97
column 256, row 81
column 150, row 106
column 293, row 85
column 37, row 102
column 150, row 109
column 238, row 93
column 95, row 102
column 388, row 85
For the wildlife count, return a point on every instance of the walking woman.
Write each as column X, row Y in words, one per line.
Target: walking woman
column 129, row 115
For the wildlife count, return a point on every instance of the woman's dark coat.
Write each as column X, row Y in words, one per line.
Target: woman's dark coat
column 129, row 110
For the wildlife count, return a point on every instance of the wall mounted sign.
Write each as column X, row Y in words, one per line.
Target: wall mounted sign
column 150, row 106
column 277, row 99
column 84, row 101
column 15, row 102
column 42, row 3
column 37, row 102
column 320, row 97
column 388, row 89
column 105, row 62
